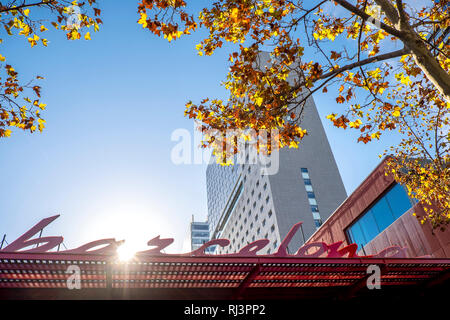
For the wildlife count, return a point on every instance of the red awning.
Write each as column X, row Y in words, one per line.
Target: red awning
column 234, row 276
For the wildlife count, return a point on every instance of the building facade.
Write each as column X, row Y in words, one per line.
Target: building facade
column 244, row 204
column 198, row 235
column 379, row 214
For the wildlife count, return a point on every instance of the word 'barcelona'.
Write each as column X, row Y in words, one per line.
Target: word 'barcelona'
column 109, row 246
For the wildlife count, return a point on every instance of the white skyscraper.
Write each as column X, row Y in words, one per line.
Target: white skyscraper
column 245, row 206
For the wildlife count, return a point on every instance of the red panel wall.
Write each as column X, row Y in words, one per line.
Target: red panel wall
column 420, row 240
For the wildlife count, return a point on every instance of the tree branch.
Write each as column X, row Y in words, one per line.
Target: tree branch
column 389, row 10
column 6, row 9
column 381, row 57
column 366, row 16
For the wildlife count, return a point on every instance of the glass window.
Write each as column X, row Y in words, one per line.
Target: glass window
column 317, row 222
column 305, row 175
column 312, row 201
column 314, row 208
column 398, row 200
column 356, row 235
column 200, row 234
column 307, row 182
column 382, row 214
column 378, row 217
column 200, row 227
column 369, row 226
column 308, row 188
column 304, row 170
column 311, row 194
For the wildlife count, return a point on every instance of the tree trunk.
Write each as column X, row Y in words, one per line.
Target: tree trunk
column 427, row 62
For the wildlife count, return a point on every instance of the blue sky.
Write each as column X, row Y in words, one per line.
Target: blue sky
column 103, row 161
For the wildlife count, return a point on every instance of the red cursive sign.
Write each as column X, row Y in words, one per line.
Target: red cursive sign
column 109, row 246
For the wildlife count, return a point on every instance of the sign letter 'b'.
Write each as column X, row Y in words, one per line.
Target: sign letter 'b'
column 74, row 280
column 373, row 281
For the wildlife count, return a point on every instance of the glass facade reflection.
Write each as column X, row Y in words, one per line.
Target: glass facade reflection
column 380, row 215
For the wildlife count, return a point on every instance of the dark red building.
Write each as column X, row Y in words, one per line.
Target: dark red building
column 379, row 214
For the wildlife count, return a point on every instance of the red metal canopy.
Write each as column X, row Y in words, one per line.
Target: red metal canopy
column 185, row 273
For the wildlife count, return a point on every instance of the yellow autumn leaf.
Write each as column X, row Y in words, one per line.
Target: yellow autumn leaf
column 87, row 36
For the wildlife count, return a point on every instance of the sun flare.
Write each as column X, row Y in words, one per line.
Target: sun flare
column 126, row 252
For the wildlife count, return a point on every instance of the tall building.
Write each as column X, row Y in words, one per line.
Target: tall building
column 198, row 235
column 244, row 205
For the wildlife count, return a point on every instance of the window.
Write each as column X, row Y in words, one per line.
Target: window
column 311, row 194
column 265, row 186
column 272, row 228
column 267, row 199
column 264, row 223
column 257, row 183
column 398, row 200
column 314, row 208
column 200, row 227
column 270, row 213
column 259, row 195
column 394, row 203
column 261, row 209
column 200, row 234
column 317, row 222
